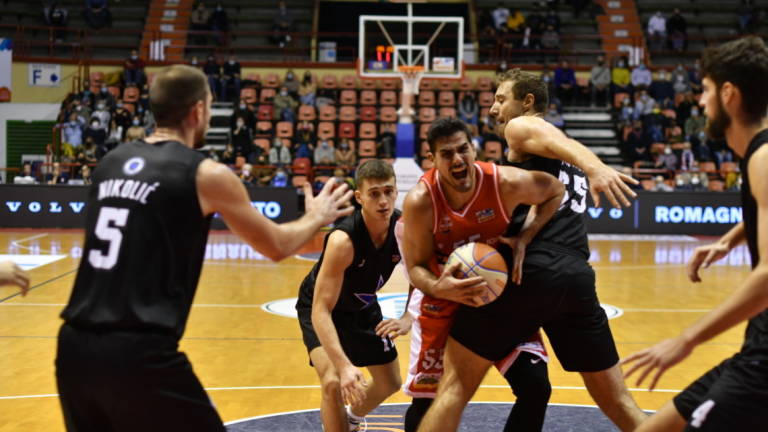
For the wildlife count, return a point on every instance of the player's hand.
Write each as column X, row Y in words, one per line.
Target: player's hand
column 705, row 256
column 353, row 385
column 392, row 328
column 331, row 203
column 11, row 274
column 613, row 184
column 449, row 287
column 658, row 358
column 518, row 250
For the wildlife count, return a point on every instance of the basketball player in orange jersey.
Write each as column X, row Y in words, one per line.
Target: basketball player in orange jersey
column 460, row 201
column 558, row 290
column 734, row 394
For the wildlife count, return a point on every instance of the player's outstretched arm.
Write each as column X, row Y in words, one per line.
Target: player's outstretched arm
column 219, row 190
column 11, row 274
column 532, row 135
column 750, row 299
column 419, row 248
column 533, row 188
column 338, row 255
column 704, row 256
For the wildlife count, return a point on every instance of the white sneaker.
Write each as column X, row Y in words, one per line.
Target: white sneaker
column 356, row 424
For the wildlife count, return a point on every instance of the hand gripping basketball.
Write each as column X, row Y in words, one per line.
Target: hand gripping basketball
column 480, row 259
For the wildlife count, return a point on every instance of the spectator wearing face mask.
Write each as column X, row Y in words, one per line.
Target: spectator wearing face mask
column 469, row 109
column 136, row 131
column 96, row 132
column 282, row 25
column 324, row 153
column 694, row 76
column 121, row 119
column 660, row 185
column 96, row 14
column 285, row 106
column 242, row 139
column 230, row 77
column 345, row 156
column 212, row 70
column 641, row 77
column 220, row 23
column 554, row 117
column 292, row 84
column 657, row 31
column 72, row 135
column 57, row 16
column 694, row 124
column 246, row 175
column 281, row 178
column 279, row 154
column 242, row 110
column 103, row 115
column 147, row 120
column 687, row 158
column 666, row 160
column 637, row 144
column 307, row 89
column 200, row 22
column 627, row 111
column 620, row 78
column 133, row 70
column 599, row 80
column 662, row 91
column 643, row 105
column 680, row 81
column 56, row 176
column 105, row 97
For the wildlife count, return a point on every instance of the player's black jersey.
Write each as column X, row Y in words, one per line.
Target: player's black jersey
column 369, row 271
column 756, row 338
column 567, row 227
column 144, row 241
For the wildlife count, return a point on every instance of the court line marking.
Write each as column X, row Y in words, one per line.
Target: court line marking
column 36, row 236
column 304, row 387
column 38, row 285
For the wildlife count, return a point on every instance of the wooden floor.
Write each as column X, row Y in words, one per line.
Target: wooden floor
column 253, row 362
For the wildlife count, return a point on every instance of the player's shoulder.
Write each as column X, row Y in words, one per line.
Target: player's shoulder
column 339, row 246
column 418, row 198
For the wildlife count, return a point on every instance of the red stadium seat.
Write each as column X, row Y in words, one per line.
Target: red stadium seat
column 484, row 84
column 485, row 99
column 325, row 130
column 368, row 113
column 446, row 99
column 426, row 98
column 349, row 82
column 264, row 112
column 284, row 129
column 267, row 95
column 347, row 114
column 367, row 130
column 367, row 148
column 388, row 114
column 427, row 114
column 271, row 81
column 327, row 113
column 447, row 112
column 347, row 130
column 368, row 97
column 348, row 97
column 307, row 112
column 388, row 97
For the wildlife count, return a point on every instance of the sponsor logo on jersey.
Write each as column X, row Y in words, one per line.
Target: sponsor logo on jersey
column 445, row 224
column 366, row 298
column 426, row 381
column 133, row 165
column 486, row 215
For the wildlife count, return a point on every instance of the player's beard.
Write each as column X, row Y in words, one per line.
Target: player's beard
column 200, row 137
column 719, row 123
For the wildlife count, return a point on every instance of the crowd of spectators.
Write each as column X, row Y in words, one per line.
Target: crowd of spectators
column 664, row 135
column 96, row 14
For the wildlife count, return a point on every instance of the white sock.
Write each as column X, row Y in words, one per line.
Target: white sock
column 353, row 418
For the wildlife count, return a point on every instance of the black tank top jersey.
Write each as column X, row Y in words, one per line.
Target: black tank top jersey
column 144, row 241
column 369, row 271
column 567, row 228
column 756, row 337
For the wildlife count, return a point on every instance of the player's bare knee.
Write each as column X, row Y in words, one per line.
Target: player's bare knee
column 330, row 385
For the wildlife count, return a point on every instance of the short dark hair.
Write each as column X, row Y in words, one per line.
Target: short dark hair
column 173, row 92
column 744, row 63
column 445, row 127
column 373, row 169
column 524, row 83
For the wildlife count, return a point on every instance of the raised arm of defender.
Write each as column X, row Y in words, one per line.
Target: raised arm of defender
column 536, row 136
column 219, row 190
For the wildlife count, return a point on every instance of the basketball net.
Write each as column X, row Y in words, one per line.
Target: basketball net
column 411, row 76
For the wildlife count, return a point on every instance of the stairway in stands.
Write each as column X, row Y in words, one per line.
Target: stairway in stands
column 594, row 127
column 217, row 137
column 170, row 19
column 620, row 27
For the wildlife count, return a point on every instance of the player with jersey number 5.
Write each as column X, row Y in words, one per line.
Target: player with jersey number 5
column 118, row 367
column 558, row 285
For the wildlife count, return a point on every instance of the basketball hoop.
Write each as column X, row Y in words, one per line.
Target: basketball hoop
column 411, row 76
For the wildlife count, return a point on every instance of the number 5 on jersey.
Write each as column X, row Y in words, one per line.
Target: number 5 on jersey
column 110, row 219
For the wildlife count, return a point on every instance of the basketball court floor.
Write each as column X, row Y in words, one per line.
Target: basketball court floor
column 247, row 349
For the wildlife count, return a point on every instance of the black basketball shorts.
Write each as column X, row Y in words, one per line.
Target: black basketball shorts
column 357, row 334
column 126, row 381
column 731, row 396
column 557, row 294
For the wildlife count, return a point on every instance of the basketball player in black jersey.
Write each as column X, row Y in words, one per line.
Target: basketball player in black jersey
column 734, row 394
column 118, row 367
column 558, row 286
column 340, row 318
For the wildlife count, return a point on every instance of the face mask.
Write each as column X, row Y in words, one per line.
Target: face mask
column 194, row 62
column 645, row 97
column 325, row 144
column 345, row 146
column 100, row 107
column 133, row 57
column 73, row 123
column 242, row 106
column 545, row 79
column 695, row 180
column 283, row 93
column 136, row 122
column 95, row 124
column 239, row 124
column 694, row 112
column 553, row 112
column 231, row 62
column 86, row 92
column 280, row 175
column 667, row 151
column 140, row 110
column 289, row 76
column 79, row 108
column 246, row 173
column 218, row 8
column 119, row 106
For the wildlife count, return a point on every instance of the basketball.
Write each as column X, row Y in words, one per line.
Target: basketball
column 479, row 259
